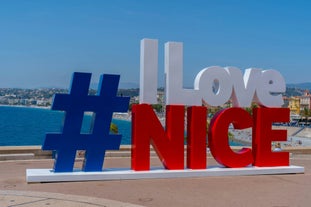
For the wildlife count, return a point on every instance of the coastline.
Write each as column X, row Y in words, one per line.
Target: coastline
column 26, row 106
column 244, row 137
column 121, row 116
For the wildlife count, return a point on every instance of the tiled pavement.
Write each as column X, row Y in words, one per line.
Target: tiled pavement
column 264, row 190
column 39, row 199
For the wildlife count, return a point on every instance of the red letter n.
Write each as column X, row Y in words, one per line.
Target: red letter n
column 168, row 144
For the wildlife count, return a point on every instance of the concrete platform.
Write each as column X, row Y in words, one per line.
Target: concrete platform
column 47, row 175
column 263, row 190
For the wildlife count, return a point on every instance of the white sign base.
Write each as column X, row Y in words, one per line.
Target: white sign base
column 47, row 175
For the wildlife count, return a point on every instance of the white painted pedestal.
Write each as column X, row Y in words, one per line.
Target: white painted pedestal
column 47, row 175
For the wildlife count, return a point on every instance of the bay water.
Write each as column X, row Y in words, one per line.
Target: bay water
column 22, row 126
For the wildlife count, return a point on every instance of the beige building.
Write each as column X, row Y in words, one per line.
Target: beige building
column 305, row 101
column 294, row 105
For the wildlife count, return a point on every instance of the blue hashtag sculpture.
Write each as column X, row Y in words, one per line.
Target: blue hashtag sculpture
column 99, row 139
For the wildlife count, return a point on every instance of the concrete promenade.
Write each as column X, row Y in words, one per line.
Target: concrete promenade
column 264, row 190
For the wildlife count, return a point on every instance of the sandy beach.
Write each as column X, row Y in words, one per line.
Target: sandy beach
column 302, row 138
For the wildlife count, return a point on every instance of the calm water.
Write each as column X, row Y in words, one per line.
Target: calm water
column 21, row 126
column 28, row 126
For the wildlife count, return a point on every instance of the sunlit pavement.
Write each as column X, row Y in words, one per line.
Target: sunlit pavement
column 263, row 190
column 33, row 199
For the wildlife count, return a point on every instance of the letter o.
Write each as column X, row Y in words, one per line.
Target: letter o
column 214, row 85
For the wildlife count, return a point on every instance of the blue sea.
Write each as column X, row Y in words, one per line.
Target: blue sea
column 21, row 126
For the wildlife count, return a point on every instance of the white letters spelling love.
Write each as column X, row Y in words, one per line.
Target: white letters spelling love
column 216, row 85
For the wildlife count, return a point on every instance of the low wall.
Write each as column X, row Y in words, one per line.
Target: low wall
column 35, row 152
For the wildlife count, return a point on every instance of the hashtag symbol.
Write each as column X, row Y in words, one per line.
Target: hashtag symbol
column 99, row 139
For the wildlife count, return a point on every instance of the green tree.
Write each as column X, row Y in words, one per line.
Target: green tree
column 306, row 112
column 114, row 128
column 250, row 109
column 157, row 107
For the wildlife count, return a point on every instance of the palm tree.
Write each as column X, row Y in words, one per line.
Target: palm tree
column 306, row 113
column 250, row 109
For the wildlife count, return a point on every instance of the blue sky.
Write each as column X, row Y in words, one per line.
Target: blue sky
column 43, row 42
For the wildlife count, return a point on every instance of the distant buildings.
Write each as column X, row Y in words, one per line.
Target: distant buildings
column 294, row 104
column 305, row 100
column 28, row 97
column 300, row 104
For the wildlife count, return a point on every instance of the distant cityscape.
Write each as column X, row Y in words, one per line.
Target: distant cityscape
column 43, row 97
column 28, row 97
column 298, row 100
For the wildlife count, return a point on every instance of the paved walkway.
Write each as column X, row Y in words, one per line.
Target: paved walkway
column 34, row 199
column 265, row 190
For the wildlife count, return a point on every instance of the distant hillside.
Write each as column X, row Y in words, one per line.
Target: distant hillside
column 128, row 85
column 132, row 89
column 299, row 85
column 128, row 92
column 297, row 89
column 291, row 90
column 294, row 92
column 122, row 85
